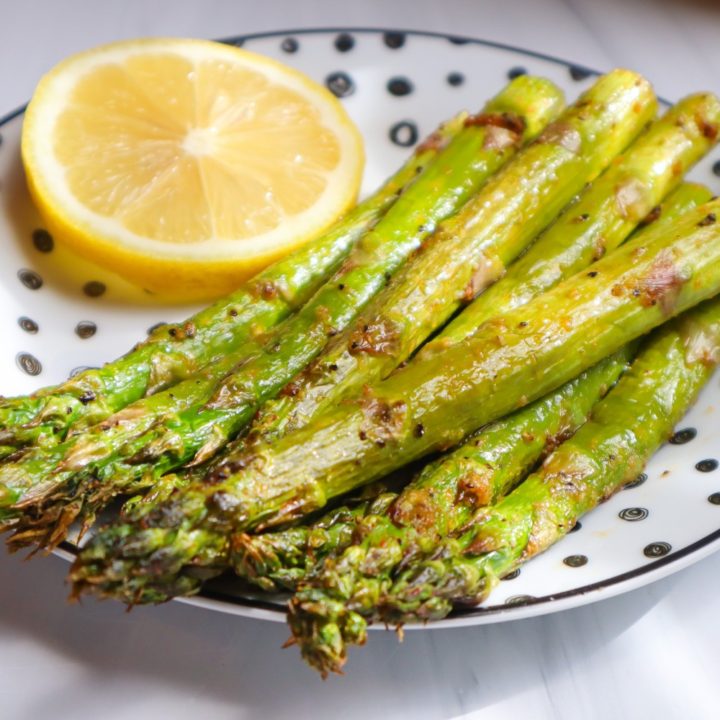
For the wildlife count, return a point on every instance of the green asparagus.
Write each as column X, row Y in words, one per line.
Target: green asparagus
column 281, row 559
column 428, row 406
column 474, row 245
column 409, row 310
column 612, row 449
column 176, row 351
column 626, row 428
column 607, row 213
column 192, row 420
column 437, row 502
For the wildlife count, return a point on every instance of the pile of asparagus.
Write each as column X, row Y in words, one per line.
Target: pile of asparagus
column 502, row 306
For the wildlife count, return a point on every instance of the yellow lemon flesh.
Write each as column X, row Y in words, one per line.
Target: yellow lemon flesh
column 186, row 165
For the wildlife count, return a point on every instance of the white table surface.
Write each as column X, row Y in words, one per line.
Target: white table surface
column 652, row 653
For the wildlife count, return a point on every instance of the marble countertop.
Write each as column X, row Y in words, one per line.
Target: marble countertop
column 650, row 653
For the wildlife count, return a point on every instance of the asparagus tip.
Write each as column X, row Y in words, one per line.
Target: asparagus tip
column 323, row 629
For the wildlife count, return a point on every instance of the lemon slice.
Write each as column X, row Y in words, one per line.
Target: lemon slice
column 186, row 165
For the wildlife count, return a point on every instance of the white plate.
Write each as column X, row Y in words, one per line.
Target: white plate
column 397, row 86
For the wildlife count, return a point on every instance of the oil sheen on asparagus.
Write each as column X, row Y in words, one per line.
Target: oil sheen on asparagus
column 626, row 428
column 428, row 406
column 174, row 352
column 403, row 316
column 196, row 418
column 436, row 503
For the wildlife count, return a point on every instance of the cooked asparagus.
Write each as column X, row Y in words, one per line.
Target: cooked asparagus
column 607, row 212
column 626, row 428
column 428, row 406
column 281, row 559
column 176, row 351
column 434, row 504
column 405, row 314
column 192, row 419
column 573, row 149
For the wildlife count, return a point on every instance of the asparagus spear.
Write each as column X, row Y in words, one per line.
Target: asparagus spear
column 508, row 362
column 625, row 431
column 176, row 351
column 405, row 314
column 609, row 211
column 626, row 428
column 430, row 405
column 488, row 231
column 192, row 419
column 282, row 559
column 521, row 199
column 439, row 500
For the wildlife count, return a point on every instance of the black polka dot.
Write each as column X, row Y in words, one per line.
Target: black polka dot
column 633, row 514
column 290, row 45
column 155, row 327
column 714, row 498
column 707, row 465
column 85, row 329
column 579, row 73
column 94, row 288
column 577, row 526
column 683, row 436
column 575, row 561
column 394, row 40
column 30, row 279
column 399, row 86
column 657, row 549
column 639, row 480
column 716, row 167
column 517, row 71
column 455, row 79
column 28, row 325
column 340, row 84
column 511, row 575
column 344, row 42
column 43, row 240
column 458, row 40
column 28, row 363
column 404, row 133
column 519, row 599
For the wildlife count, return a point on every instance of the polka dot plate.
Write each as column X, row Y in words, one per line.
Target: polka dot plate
column 60, row 313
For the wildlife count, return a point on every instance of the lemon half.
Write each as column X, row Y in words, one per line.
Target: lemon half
column 186, row 165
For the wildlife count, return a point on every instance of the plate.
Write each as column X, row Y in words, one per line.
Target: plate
column 60, row 313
